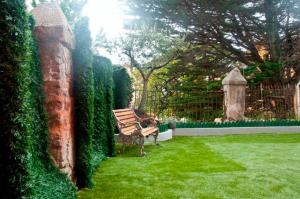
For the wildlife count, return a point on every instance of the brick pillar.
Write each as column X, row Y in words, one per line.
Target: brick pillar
column 55, row 41
column 234, row 86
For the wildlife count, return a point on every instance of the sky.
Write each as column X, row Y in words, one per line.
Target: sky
column 108, row 15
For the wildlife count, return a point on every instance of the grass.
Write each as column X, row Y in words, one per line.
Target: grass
column 215, row 167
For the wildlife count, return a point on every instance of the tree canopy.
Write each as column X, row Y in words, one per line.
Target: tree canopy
column 243, row 31
column 147, row 49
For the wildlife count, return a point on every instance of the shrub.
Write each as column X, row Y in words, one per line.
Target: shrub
column 84, row 103
column 104, row 123
column 122, row 88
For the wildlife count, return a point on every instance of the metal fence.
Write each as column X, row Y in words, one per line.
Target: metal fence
column 263, row 102
column 267, row 102
column 188, row 106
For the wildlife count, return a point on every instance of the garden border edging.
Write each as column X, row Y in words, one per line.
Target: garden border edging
column 234, row 130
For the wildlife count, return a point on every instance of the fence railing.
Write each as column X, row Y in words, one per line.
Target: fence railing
column 263, row 102
column 269, row 102
column 191, row 106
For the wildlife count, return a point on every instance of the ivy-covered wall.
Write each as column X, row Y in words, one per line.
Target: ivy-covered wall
column 27, row 171
column 84, row 103
column 123, row 90
column 26, row 168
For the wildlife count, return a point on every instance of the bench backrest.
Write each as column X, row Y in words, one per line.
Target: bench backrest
column 125, row 116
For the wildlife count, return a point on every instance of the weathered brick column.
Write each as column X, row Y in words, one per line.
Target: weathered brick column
column 234, row 85
column 55, row 42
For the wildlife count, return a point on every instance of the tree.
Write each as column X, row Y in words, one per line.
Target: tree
column 235, row 29
column 71, row 8
column 147, row 50
column 84, row 102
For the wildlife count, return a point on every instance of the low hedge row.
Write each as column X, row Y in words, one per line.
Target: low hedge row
column 238, row 124
column 163, row 127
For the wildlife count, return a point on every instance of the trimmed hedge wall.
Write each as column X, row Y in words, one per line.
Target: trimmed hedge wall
column 26, row 168
column 84, row 102
column 15, row 101
column 123, row 90
column 103, row 142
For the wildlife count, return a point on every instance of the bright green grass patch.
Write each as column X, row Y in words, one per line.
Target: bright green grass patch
column 240, row 166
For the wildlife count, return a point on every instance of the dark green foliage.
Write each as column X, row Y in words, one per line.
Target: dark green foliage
column 163, row 127
column 109, row 115
column 237, row 124
column 84, row 103
column 122, row 88
column 15, row 101
column 72, row 9
column 99, row 139
column 26, row 168
column 104, row 123
column 263, row 73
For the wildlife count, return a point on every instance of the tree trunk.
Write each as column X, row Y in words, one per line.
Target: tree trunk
column 144, row 95
column 272, row 29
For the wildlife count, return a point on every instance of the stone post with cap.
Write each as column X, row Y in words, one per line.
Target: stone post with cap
column 234, row 86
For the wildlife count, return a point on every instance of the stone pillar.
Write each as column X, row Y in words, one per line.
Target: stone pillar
column 55, row 41
column 297, row 101
column 234, row 85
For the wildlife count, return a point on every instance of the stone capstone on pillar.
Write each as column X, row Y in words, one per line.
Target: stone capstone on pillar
column 56, row 41
column 234, row 86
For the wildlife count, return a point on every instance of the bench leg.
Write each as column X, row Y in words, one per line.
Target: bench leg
column 155, row 138
column 141, row 143
column 142, row 151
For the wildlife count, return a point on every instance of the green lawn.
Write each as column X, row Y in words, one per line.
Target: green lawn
column 239, row 166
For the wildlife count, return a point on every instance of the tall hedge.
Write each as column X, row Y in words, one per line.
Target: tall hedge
column 84, row 102
column 15, row 101
column 26, row 168
column 123, row 90
column 103, row 142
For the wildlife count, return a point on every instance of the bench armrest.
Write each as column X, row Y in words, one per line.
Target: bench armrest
column 138, row 125
column 151, row 121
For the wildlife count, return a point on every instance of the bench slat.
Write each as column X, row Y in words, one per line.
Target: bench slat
column 128, row 120
column 122, row 110
column 149, row 131
column 126, row 117
column 129, row 128
column 124, row 113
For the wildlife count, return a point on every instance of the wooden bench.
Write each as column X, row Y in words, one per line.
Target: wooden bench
column 130, row 130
